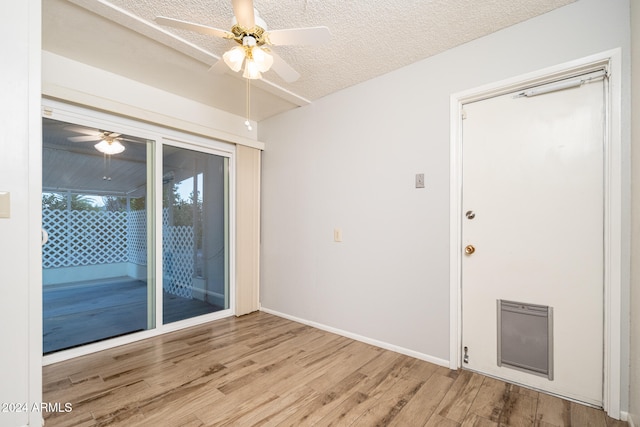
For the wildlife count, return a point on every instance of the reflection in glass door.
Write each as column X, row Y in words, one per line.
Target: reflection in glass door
column 194, row 229
column 95, row 262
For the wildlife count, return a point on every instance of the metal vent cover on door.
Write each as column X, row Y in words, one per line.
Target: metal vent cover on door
column 525, row 337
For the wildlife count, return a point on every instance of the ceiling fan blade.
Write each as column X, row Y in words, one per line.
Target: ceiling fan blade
column 84, row 138
column 83, row 130
column 184, row 25
column 219, row 67
column 283, row 69
column 300, row 36
column 243, row 11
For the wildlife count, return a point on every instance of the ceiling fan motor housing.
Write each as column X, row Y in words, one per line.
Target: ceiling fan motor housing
column 257, row 32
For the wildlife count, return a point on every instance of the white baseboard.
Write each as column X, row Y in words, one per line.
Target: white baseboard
column 367, row 340
column 625, row 416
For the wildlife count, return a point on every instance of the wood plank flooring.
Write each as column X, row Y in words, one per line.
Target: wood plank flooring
column 262, row 370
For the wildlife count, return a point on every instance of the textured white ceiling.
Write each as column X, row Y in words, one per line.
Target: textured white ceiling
column 369, row 38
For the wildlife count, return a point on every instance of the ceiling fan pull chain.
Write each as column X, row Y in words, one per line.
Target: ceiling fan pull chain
column 247, row 122
column 104, row 166
column 106, row 158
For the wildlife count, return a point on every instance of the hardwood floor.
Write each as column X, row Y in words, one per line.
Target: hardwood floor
column 263, row 370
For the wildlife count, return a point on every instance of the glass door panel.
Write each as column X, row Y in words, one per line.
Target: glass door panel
column 194, row 228
column 95, row 262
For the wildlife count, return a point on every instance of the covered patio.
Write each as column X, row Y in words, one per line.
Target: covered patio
column 96, row 266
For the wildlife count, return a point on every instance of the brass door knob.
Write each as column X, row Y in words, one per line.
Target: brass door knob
column 469, row 249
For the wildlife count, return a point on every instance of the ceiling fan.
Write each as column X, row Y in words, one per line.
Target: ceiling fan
column 110, row 142
column 254, row 40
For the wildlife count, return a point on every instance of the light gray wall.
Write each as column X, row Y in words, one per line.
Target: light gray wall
column 634, row 378
column 348, row 161
column 20, row 283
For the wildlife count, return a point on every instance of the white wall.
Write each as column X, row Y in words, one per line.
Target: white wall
column 349, row 160
column 634, row 396
column 20, row 294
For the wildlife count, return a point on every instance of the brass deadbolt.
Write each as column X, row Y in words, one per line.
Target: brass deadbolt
column 469, row 249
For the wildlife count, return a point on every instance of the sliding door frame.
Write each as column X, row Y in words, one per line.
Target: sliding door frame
column 56, row 110
column 201, row 145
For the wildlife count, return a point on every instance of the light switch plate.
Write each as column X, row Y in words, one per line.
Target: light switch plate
column 5, row 204
column 419, row 180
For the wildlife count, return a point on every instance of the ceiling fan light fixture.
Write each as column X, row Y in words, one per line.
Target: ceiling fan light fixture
column 250, row 31
column 234, row 58
column 109, row 147
column 251, row 70
column 263, row 60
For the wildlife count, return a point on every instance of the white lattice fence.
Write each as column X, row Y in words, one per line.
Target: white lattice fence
column 81, row 238
column 177, row 258
column 137, row 237
column 84, row 238
column 55, row 252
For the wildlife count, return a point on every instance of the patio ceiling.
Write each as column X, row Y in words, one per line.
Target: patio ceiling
column 77, row 167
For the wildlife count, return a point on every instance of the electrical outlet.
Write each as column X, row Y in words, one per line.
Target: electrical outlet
column 419, row 180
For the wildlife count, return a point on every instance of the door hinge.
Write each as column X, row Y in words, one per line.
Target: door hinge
column 465, row 358
column 463, row 114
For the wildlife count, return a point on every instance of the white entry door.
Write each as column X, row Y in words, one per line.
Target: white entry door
column 532, row 232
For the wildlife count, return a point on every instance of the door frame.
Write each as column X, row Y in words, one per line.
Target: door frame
column 614, row 264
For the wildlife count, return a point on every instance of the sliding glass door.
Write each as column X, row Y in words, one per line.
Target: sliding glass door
column 194, row 229
column 95, row 258
column 108, row 196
